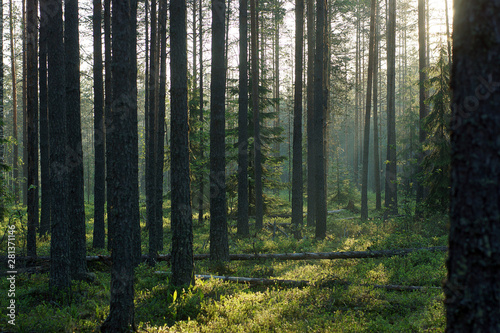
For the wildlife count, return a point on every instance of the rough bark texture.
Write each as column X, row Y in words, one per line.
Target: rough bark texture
column 422, row 63
column 319, row 123
column 182, row 224
column 59, row 242
column 391, row 199
column 32, row 123
column 44, row 125
column 121, row 166
column 311, row 201
column 259, row 200
column 219, row 246
column 473, row 288
column 243, row 202
column 76, row 208
column 160, row 130
column 369, row 86
column 376, row 153
column 297, row 181
column 99, row 234
column 15, row 169
column 152, row 141
column 108, row 97
column 201, row 118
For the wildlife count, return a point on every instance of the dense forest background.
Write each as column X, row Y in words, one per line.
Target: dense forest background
column 304, row 148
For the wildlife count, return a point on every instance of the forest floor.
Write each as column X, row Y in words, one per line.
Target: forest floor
column 340, row 297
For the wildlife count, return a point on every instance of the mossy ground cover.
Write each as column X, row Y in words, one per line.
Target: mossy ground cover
column 340, row 298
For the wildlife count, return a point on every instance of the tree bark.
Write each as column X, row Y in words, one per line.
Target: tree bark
column 243, row 202
column 44, row 126
column 32, row 123
column 121, row 169
column 59, row 244
column 99, row 233
column 391, row 199
column 152, row 143
column 368, row 105
column 182, row 224
column 259, row 200
column 311, row 201
column 108, row 97
column 473, row 289
column 319, row 123
column 422, row 63
column 297, row 181
column 76, row 207
column 15, row 167
column 219, row 246
column 201, row 119
column 376, row 154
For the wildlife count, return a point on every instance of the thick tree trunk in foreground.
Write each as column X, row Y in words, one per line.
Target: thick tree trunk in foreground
column 76, row 207
column 182, row 223
column 473, row 288
column 121, row 167
column 219, row 246
column 59, row 244
column 311, row 192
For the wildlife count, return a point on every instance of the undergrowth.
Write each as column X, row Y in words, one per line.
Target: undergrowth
column 341, row 296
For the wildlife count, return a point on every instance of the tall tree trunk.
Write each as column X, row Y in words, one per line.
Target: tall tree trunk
column 15, row 167
column 32, row 123
column 152, row 142
column 202, row 141
column 297, row 181
column 311, row 200
column 422, row 62
column 376, row 154
column 369, row 85
column 182, row 223
column 243, row 202
column 391, row 199
column 25, row 106
column 76, row 206
column 2, row 137
column 162, row 24
column 108, row 97
column 319, row 120
column 122, row 169
column 259, row 199
column 146, row 97
column 99, row 135
column 473, row 290
column 44, row 126
column 219, row 246
column 59, row 242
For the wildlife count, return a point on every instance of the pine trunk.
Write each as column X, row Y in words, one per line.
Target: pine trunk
column 182, row 223
column 121, row 169
column 59, row 242
column 99, row 136
column 391, row 201
column 297, row 181
column 473, row 289
column 243, row 202
column 311, row 200
column 32, row 123
column 219, row 246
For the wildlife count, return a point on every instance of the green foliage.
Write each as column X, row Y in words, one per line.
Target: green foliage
column 436, row 163
column 341, row 297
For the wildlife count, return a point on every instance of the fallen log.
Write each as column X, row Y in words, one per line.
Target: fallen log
column 302, row 283
column 266, row 256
